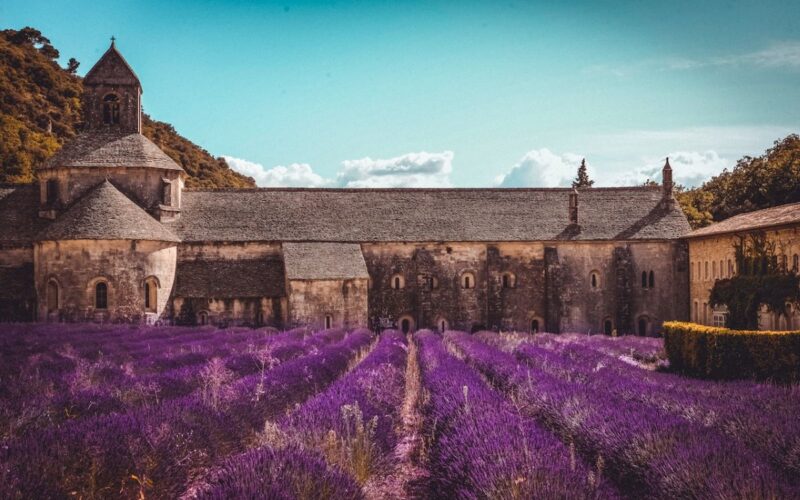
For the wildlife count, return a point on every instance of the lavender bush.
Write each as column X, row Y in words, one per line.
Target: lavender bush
column 647, row 452
column 158, row 450
column 480, row 447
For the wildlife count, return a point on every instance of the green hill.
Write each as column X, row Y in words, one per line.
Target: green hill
column 40, row 108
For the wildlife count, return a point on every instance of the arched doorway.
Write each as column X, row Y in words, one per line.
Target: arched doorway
column 202, row 318
column 608, row 326
column 406, row 324
column 52, row 296
column 642, row 326
column 535, row 326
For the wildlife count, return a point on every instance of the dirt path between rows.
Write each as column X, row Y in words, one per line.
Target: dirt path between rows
column 408, row 470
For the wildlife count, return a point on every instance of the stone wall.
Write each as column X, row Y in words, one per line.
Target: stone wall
column 712, row 258
column 76, row 266
column 549, row 283
column 213, row 250
column 144, row 186
column 256, row 311
column 345, row 301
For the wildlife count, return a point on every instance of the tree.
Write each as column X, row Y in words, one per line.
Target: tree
column 582, row 179
column 72, row 65
column 754, row 183
column 760, row 281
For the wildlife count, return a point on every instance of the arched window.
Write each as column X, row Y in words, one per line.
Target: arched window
column 52, row 296
column 202, row 318
column 594, row 279
column 442, row 325
column 785, row 262
column 693, row 274
column 730, row 268
column 328, row 321
column 151, row 295
column 651, row 282
column 608, row 326
column 535, row 326
column 644, row 279
column 468, row 280
column 795, row 262
column 714, row 269
column 642, row 331
column 397, row 282
column 721, row 272
column 696, row 311
column 101, row 295
column 509, row 280
column 111, row 109
column 433, row 282
column 705, row 272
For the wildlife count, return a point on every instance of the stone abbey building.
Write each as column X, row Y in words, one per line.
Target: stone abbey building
column 111, row 234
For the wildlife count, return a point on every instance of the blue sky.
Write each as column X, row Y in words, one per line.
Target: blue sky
column 453, row 93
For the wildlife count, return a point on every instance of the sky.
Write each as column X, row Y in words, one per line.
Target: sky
column 455, row 93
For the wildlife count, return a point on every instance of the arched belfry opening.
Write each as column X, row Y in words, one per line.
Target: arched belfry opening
column 112, row 96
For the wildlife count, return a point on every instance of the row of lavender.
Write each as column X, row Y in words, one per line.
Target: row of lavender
column 92, row 373
column 336, row 445
column 159, row 449
column 653, row 434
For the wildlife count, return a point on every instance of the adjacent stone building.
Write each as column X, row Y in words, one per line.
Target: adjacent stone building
column 711, row 254
column 111, row 234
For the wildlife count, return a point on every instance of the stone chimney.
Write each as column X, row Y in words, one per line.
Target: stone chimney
column 667, row 185
column 573, row 207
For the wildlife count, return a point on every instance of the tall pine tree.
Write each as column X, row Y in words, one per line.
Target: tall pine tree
column 582, row 180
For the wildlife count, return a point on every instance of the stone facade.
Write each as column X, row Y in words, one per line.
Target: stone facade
column 711, row 257
column 110, row 234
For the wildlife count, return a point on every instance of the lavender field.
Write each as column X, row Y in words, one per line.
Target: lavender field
column 124, row 412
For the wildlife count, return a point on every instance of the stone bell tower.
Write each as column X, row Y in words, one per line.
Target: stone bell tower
column 112, row 97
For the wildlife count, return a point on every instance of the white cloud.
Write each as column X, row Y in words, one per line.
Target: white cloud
column 411, row 170
column 779, row 55
column 294, row 175
column 690, row 168
column 543, row 168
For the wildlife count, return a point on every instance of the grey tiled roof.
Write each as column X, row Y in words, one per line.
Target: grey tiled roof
column 228, row 279
column 104, row 213
column 321, row 261
column 768, row 217
column 364, row 215
column 111, row 148
column 19, row 215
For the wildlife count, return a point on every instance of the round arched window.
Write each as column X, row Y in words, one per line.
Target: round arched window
column 509, row 280
column 397, row 282
column 101, row 295
column 468, row 280
column 594, row 279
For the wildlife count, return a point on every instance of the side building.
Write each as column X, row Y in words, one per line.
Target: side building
column 712, row 257
column 111, row 234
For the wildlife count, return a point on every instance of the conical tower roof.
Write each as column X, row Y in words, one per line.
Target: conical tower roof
column 104, row 213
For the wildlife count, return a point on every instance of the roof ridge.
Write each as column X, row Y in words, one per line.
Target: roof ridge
column 419, row 190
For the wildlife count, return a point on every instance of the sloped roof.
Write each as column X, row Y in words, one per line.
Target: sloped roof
column 111, row 148
column 104, row 213
column 324, row 261
column 111, row 68
column 364, row 215
column 768, row 217
column 19, row 215
column 229, row 279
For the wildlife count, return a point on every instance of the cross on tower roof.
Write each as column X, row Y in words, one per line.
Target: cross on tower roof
column 113, row 39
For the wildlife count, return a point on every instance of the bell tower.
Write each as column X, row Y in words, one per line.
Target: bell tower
column 112, row 98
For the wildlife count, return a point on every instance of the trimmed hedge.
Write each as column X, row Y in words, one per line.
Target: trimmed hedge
column 721, row 353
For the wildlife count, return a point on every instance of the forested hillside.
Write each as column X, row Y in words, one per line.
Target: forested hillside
column 40, row 108
column 754, row 183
